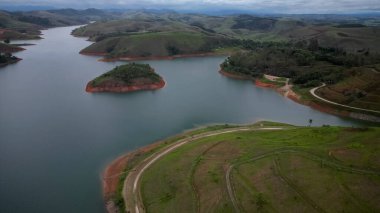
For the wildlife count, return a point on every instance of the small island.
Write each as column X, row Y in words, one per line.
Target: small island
column 127, row 78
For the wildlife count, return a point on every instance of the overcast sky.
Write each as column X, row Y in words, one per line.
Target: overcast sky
column 277, row 6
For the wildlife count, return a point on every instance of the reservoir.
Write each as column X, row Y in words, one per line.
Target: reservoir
column 55, row 139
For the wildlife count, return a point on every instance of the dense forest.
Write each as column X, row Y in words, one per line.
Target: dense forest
column 306, row 63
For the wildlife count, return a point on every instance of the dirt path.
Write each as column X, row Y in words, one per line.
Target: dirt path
column 285, row 90
column 312, row 92
column 131, row 188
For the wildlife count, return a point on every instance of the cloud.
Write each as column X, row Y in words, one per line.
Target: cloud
column 279, row 6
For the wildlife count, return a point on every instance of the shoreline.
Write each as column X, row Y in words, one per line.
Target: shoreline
column 110, row 176
column 124, row 89
column 235, row 76
column 312, row 104
column 143, row 58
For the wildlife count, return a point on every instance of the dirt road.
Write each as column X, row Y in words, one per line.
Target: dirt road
column 312, row 92
column 131, row 188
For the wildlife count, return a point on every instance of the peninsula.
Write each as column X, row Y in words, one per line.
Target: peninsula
column 127, row 78
column 233, row 168
column 6, row 56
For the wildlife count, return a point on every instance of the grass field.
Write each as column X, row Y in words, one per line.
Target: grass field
column 298, row 169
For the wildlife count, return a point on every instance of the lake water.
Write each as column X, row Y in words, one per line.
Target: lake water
column 55, row 138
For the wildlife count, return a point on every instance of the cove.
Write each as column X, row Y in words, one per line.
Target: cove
column 55, row 139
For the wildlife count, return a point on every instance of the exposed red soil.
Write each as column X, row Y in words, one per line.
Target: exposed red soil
column 322, row 108
column 115, row 169
column 295, row 98
column 327, row 109
column 120, row 88
column 110, row 177
column 112, row 173
column 265, row 85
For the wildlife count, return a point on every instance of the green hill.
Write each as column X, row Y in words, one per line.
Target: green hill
column 157, row 44
column 27, row 24
column 127, row 75
column 127, row 78
column 278, row 29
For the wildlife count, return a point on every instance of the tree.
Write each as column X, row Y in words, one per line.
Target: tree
column 310, row 121
column 260, row 201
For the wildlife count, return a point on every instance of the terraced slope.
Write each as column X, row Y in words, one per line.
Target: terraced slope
column 292, row 169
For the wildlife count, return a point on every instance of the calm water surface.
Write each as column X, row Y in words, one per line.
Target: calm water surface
column 55, row 138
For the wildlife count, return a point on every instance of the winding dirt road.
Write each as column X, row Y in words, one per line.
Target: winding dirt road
column 131, row 188
column 312, row 92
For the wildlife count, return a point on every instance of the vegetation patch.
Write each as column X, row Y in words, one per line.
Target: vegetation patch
column 127, row 74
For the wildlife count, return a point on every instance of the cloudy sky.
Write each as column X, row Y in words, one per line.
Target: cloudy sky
column 276, row 6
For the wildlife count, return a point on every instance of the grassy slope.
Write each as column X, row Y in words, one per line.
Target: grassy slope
column 15, row 35
column 125, row 26
column 27, row 24
column 295, row 181
column 151, row 44
column 7, row 48
column 7, row 21
column 240, row 27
